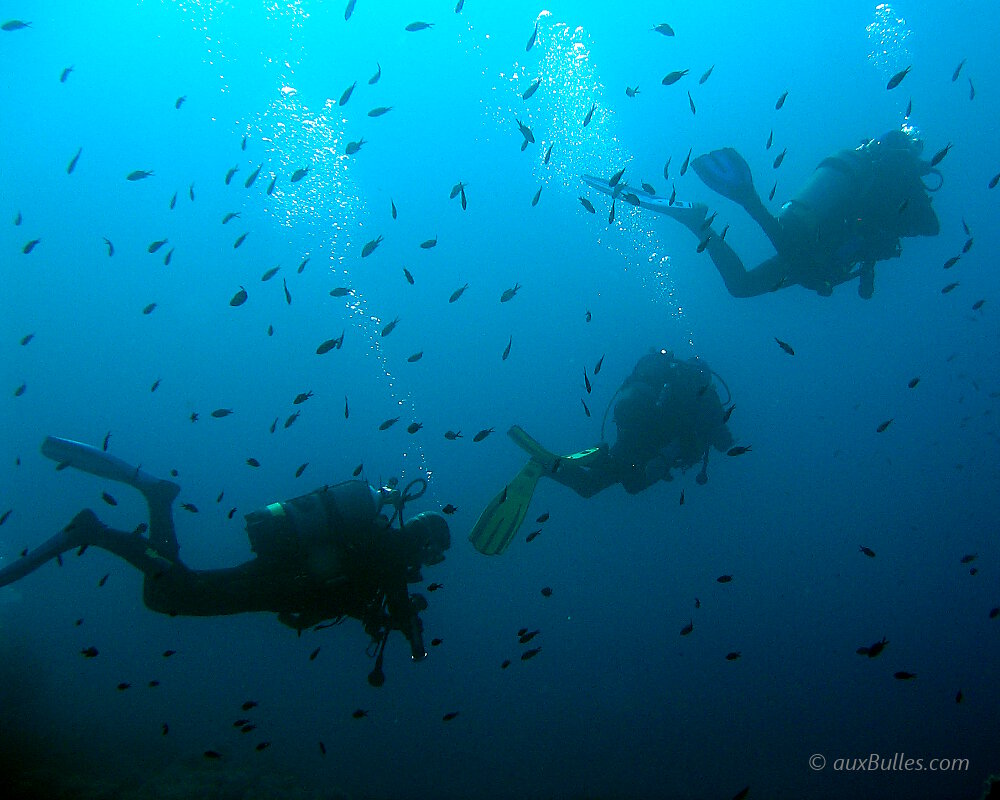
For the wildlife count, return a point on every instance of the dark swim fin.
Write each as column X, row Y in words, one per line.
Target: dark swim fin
column 725, row 172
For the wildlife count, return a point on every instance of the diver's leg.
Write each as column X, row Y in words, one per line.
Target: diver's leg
column 86, row 529
column 159, row 494
column 585, row 481
column 741, row 282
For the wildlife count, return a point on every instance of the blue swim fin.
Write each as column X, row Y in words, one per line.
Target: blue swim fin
column 725, row 172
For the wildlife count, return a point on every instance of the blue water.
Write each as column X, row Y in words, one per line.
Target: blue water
column 617, row 704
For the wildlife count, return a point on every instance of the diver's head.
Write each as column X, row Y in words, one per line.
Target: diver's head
column 431, row 534
column 904, row 138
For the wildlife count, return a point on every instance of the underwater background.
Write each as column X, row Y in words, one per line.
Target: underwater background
column 616, row 704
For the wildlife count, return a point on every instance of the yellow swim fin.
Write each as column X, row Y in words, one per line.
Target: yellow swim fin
column 498, row 524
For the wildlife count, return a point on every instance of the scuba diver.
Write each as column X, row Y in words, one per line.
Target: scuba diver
column 668, row 416
column 852, row 213
column 327, row 555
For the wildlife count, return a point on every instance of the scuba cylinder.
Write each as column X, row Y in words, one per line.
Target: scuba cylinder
column 290, row 529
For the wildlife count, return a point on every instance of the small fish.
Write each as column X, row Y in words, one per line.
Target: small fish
column 684, row 166
column 781, row 101
column 590, row 115
column 390, row 327
column 724, row 579
column 883, row 425
column 453, row 435
column 65, row 74
column 949, row 287
column 436, row 642
column 155, row 386
column 219, row 413
column 212, row 754
column 663, row 28
column 770, row 195
column 958, row 696
column 313, row 654
column 978, row 305
column 359, row 713
column 909, row 109
column 542, row 517
column 111, row 247
column 994, row 613
column 994, row 181
column 349, row 10
column 392, row 207
column 347, row 410
column 586, row 410
column 243, row 144
column 903, row 675
column 18, row 219
column 631, row 92
column 785, row 346
column 149, row 309
column 230, row 216
column 682, row 497
column 413, row 427
column 72, row 164
column 968, row 558
column 482, row 434
column 597, row 366
column 168, row 653
column 232, row 171
column 967, row 246
column 341, row 291
column 386, row 424
column 940, row 154
column 735, row 654
column 972, row 90
column 239, row 240
column 531, row 89
column 449, row 509
column 958, row 70
column 139, row 175
column 508, row 294
column 588, row 316
column 506, row 350
column 288, row 295
column 262, row 746
column 357, row 470
column 121, row 687
column 378, row 74
column 532, row 535
column 179, row 102
column 378, row 111
column 301, row 397
column 270, row 186
column 779, row 158
column 190, row 192
column 370, row 246
column 706, row 75
column 104, row 580
column 168, row 256
column 531, row 39
column 548, row 154
column 253, row 177
column 90, row 652
column 738, row 450
column 770, row 140
column 270, row 273
column 529, row 654
column 457, row 293
column 505, row 663
column 353, row 147
column 232, row 512
column 867, row 551
column 587, row 205
column 291, row 419
column 648, row 188
column 239, row 298
column 191, row 507
column 107, row 498
column 322, row 748
column 897, row 79
column 30, row 246
column 408, row 276
column 449, row 716
column 433, row 587
column 249, row 704
column 586, row 381
column 666, row 169
column 415, row 357
column 419, row 26
column 429, row 243
column 691, row 104
column 299, row 174
column 687, row 628
column 546, row 591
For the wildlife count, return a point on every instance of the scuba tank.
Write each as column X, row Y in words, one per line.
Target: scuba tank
column 293, row 528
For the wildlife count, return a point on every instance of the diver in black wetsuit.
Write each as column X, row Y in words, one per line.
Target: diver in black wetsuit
column 851, row 214
column 327, row 555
